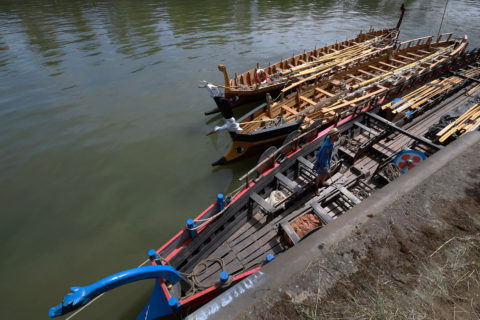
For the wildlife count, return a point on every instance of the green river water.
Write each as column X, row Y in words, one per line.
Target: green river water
column 103, row 152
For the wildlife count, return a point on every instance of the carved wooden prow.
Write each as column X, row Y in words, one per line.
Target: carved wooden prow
column 223, row 69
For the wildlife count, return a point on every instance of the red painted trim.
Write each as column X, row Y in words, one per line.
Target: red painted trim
column 198, row 295
column 205, row 211
column 184, row 230
column 215, row 287
column 245, row 274
column 165, row 289
column 171, row 240
column 177, row 249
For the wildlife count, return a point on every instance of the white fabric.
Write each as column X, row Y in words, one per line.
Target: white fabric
column 230, row 125
column 213, row 90
column 275, row 197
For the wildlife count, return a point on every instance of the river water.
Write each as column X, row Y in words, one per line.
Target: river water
column 103, row 152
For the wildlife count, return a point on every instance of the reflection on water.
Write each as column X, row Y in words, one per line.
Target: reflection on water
column 103, row 153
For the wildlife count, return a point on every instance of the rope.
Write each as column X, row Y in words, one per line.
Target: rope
column 233, row 194
column 391, row 172
column 198, row 270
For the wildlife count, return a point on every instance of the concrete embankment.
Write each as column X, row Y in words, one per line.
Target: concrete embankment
column 411, row 250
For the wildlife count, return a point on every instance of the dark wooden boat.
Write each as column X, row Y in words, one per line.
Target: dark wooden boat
column 276, row 208
column 330, row 94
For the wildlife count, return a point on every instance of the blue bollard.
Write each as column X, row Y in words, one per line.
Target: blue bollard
column 173, row 303
column 152, row 254
column 191, row 225
column 269, row 258
column 220, row 202
column 224, row 276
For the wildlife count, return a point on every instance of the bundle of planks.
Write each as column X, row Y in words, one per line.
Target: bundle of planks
column 423, row 94
column 468, row 121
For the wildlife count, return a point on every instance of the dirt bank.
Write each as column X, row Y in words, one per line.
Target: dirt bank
column 419, row 258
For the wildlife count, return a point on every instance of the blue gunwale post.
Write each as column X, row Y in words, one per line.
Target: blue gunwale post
column 269, row 258
column 152, row 254
column 220, row 202
column 224, row 276
column 174, row 304
column 190, row 226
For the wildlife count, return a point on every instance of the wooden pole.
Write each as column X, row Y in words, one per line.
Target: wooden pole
column 444, row 10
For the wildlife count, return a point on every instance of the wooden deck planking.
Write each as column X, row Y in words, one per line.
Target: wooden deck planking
column 233, row 268
column 257, row 243
column 250, row 224
column 257, row 259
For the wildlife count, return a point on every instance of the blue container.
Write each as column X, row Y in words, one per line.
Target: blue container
column 190, row 226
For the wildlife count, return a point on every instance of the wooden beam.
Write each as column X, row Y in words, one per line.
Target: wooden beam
column 378, row 69
column 355, row 78
column 405, row 132
column 305, row 162
column 291, row 185
column 321, row 213
column 398, row 61
column 307, row 100
column 387, row 65
column 365, row 72
column 262, row 203
column 465, row 77
column 423, row 51
column 288, row 109
column 414, row 55
column 405, row 57
column 343, row 104
column 290, row 232
column 324, row 92
column 348, row 194
column 364, row 127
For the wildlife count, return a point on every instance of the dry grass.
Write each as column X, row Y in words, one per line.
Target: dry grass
column 447, row 287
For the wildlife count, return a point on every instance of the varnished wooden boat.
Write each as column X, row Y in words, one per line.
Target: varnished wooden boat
column 248, row 86
column 327, row 95
column 230, row 241
column 258, row 81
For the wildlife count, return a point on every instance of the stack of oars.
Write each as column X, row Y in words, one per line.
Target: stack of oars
column 469, row 121
column 338, row 103
column 328, row 62
column 418, row 97
column 334, row 58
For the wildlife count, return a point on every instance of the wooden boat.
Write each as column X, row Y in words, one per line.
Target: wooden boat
column 255, row 83
column 332, row 93
column 277, row 209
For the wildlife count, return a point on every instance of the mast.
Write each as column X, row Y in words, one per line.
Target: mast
column 402, row 8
